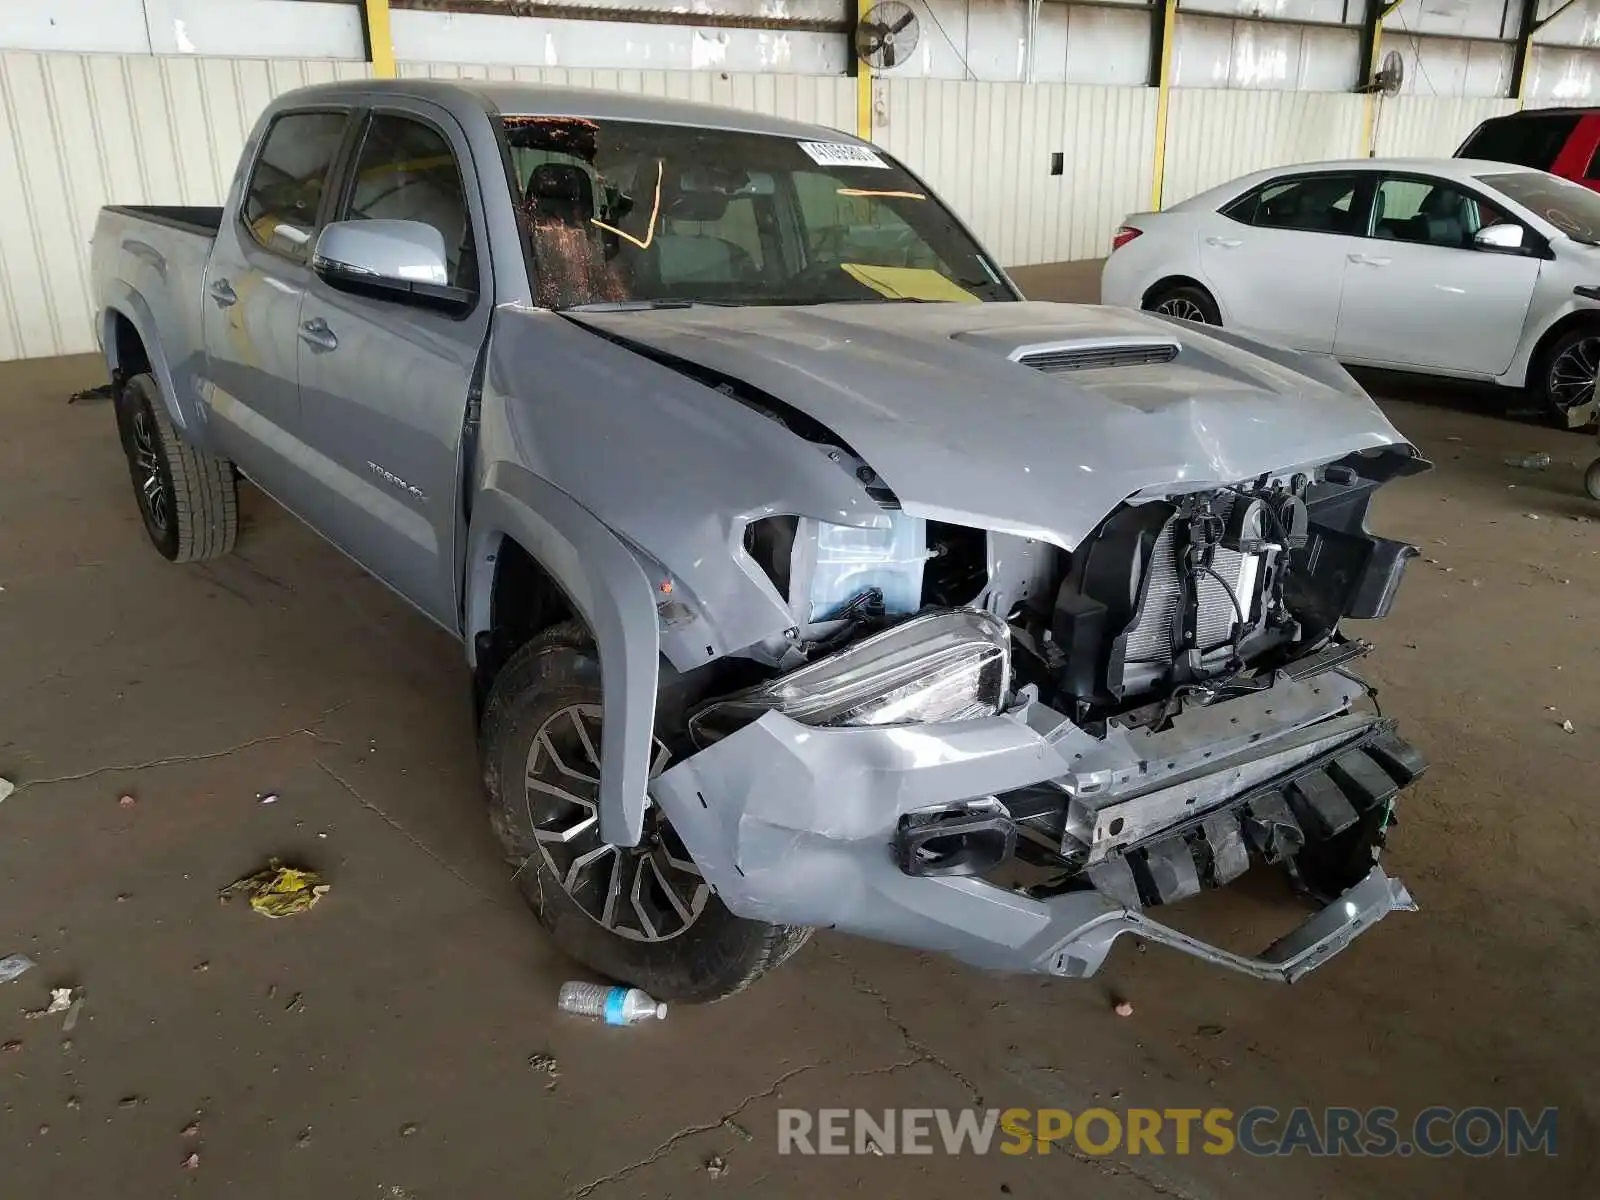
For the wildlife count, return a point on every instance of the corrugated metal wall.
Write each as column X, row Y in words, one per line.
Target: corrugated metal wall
column 79, row 131
column 821, row 99
column 986, row 149
column 1431, row 126
column 1214, row 136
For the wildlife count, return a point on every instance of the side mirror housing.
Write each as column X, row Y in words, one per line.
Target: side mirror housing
column 402, row 261
column 1506, row 237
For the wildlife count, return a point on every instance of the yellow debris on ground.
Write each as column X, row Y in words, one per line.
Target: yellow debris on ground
column 277, row 890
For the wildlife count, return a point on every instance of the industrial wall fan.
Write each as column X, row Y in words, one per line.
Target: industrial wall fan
column 886, row 34
column 1390, row 75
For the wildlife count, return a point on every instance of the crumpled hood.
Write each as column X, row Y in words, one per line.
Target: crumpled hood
column 930, row 395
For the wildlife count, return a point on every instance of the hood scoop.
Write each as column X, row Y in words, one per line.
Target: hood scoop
column 1080, row 355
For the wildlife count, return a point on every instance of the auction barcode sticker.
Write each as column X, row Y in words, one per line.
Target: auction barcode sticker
column 842, row 154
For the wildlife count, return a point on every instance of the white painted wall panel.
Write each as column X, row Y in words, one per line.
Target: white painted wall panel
column 81, row 131
column 487, row 38
column 107, row 26
column 1431, row 126
column 1211, row 52
column 1214, row 136
column 1558, row 75
column 822, row 100
column 1576, row 25
column 986, row 147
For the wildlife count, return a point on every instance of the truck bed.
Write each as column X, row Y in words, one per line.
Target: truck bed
column 191, row 218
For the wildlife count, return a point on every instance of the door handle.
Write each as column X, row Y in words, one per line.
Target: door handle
column 1367, row 260
column 316, row 334
column 1225, row 243
column 222, row 292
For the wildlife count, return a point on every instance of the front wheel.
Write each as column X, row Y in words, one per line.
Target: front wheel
column 642, row 915
column 1187, row 303
column 1566, row 381
column 1591, row 480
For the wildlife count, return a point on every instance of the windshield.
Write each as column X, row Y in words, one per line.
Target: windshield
column 1527, row 141
column 1570, row 207
column 623, row 212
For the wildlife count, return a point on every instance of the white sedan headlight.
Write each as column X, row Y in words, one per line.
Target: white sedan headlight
column 945, row 666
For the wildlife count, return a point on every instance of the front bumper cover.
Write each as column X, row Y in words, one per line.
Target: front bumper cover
column 794, row 824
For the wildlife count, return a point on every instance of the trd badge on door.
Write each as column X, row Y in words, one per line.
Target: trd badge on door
column 391, row 478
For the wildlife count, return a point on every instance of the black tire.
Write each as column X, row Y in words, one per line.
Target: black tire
column 1559, row 384
column 189, row 499
column 717, row 953
column 1186, row 302
column 1591, row 480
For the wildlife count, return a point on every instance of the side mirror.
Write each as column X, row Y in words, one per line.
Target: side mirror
column 402, row 261
column 1503, row 237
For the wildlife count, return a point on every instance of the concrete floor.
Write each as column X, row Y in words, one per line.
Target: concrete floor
column 379, row 1046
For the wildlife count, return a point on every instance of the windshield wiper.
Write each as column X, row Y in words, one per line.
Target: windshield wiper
column 629, row 305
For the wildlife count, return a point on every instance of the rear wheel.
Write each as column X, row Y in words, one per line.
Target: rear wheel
column 1591, row 480
column 188, row 498
column 643, row 914
column 1566, row 379
column 1186, row 302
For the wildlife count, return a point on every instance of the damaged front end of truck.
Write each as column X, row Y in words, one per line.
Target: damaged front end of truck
column 1015, row 744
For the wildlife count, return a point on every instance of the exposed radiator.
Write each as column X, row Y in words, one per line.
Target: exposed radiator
column 1151, row 640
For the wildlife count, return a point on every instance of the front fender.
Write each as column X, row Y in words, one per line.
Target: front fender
column 608, row 588
column 122, row 300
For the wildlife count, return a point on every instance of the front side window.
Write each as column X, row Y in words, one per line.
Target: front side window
column 619, row 212
column 407, row 172
column 1312, row 203
column 289, row 179
column 1430, row 211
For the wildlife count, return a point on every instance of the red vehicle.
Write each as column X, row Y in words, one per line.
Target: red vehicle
column 1563, row 141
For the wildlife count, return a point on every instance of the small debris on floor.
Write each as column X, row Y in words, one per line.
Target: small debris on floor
column 74, row 1102
column 1123, row 1008
column 105, row 391
column 14, row 965
column 277, row 890
column 738, row 1130
column 133, row 1101
column 303, row 1139
column 11, row 1047
column 1531, row 516
column 124, row 897
column 60, row 1001
column 202, row 966
column 126, row 801
column 269, row 798
column 1209, row 1030
column 1529, row 462
column 192, row 1161
column 192, row 1129
column 547, row 1064
column 1567, row 727
column 296, row 1003
column 873, row 1149
column 716, row 1166
column 409, row 1129
column 74, row 1010
column 6, row 786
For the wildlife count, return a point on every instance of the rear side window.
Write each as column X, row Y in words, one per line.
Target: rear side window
column 289, row 180
column 1312, row 203
column 406, row 171
column 1533, row 141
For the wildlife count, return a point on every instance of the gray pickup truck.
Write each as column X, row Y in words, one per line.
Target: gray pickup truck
column 807, row 574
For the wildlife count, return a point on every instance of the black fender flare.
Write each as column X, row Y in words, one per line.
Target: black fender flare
column 610, row 591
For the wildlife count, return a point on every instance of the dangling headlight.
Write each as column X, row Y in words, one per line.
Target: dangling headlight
column 945, row 666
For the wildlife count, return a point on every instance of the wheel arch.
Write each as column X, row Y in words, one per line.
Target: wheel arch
column 1574, row 319
column 130, row 345
column 573, row 561
column 1168, row 282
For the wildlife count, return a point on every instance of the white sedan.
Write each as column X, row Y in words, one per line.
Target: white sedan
column 1475, row 270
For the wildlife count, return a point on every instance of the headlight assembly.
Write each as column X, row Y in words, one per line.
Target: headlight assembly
column 945, row 666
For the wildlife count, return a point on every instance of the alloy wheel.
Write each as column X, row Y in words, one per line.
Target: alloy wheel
column 650, row 892
column 1572, row 374
column 1183, row 308
column 147, row 469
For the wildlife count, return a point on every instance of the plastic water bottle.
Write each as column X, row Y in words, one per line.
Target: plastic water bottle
column 616, row 1005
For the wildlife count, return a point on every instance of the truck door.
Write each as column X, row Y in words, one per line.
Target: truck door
column 384, row 381
column 257, row 273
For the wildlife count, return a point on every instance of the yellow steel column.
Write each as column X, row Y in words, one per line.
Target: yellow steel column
column 1367, row 98
column 1169, row 18
column 863, row 82
column 380, row 43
